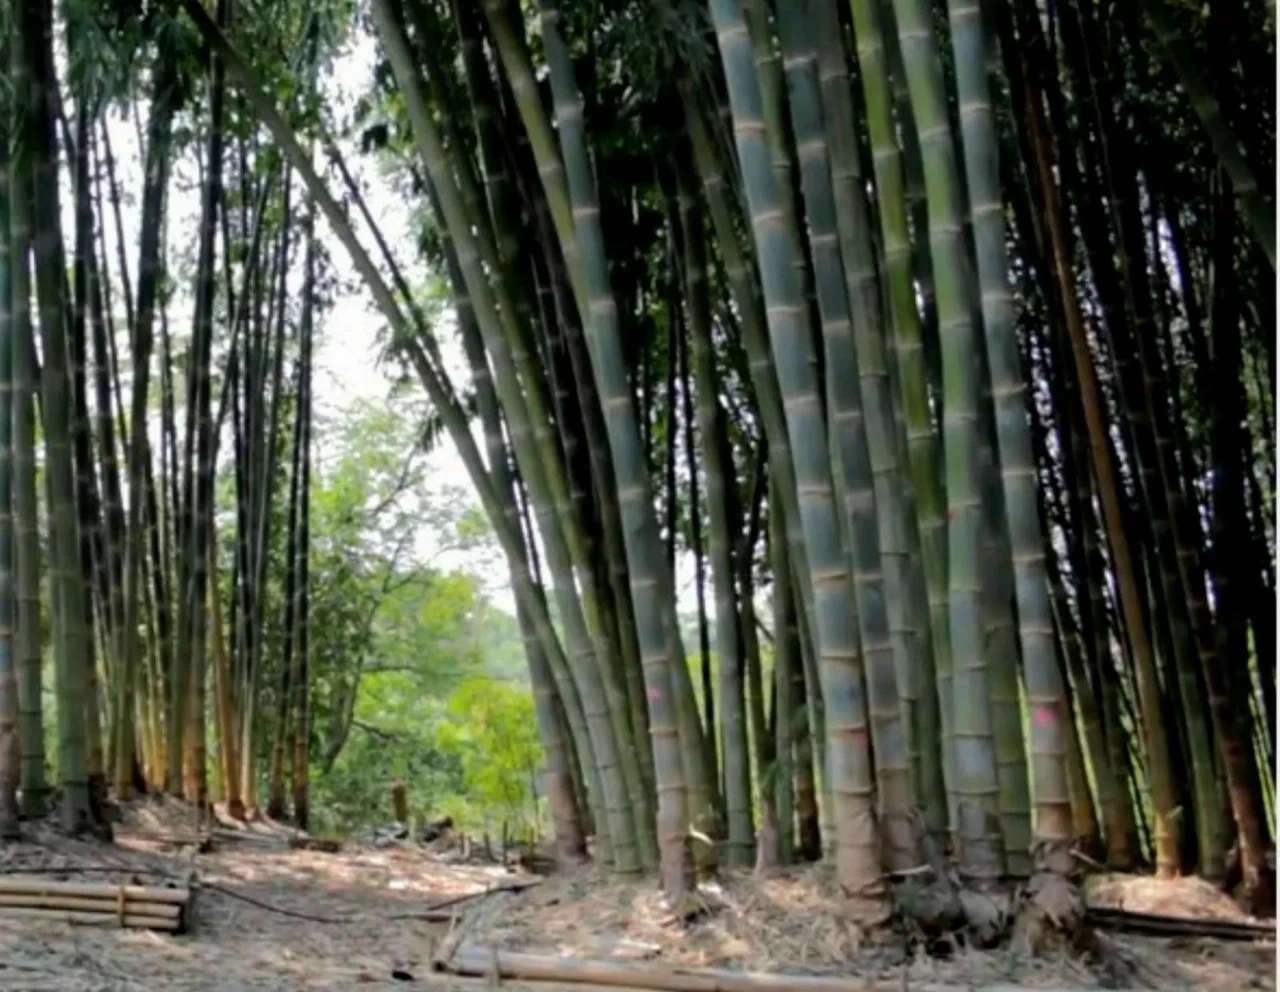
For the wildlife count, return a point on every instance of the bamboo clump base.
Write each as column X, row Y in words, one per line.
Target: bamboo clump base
column 84, row 904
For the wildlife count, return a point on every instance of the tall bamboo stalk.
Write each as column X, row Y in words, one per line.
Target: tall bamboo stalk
column 848, row 758
column 1045, row 694
column 976, row 785
column 33, row 74
column 1153, row 730
column 10, row 748
column 719, row 475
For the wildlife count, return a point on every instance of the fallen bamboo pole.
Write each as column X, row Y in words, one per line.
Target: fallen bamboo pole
column 486, row 962
column 103, row 919
column 1179, row 926
column 457, row 983
column 135, row 893
column 474, row 962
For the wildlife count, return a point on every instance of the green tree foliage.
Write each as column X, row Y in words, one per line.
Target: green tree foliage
column 395, row 636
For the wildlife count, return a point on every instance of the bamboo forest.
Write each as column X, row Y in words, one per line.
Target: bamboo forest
column 686, row 444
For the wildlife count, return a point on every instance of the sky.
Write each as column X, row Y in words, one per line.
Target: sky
column 347, row 368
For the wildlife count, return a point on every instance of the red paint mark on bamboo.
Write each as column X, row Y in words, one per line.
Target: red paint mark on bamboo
column 1046, row 717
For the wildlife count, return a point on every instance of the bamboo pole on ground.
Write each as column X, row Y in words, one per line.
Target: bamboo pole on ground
column 476, row 961
column 94, row 904
column 161, row 910
column 103, row 919
column 93, row 890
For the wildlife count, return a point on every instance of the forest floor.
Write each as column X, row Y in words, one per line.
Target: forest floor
column 342, row 921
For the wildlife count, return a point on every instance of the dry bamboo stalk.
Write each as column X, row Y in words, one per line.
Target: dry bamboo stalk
column 475, row 961
column 167, row 910
column 104, row 919
column 136, row 893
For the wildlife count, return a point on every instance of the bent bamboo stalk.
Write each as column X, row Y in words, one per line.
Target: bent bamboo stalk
column 107, row 918
column 135, row 893
column 475, row 961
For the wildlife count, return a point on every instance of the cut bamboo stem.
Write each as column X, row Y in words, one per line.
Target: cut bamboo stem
column 103, row 919
column 132, row 893
column 165, row 910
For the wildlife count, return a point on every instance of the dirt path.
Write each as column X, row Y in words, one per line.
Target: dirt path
column 237, row 945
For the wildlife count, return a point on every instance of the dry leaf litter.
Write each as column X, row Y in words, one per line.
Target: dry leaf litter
column 790, row 922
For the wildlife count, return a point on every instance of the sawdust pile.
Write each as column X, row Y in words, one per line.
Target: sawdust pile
column 1186, row 897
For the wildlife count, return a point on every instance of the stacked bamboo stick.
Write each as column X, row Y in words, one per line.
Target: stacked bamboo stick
column 145, row 907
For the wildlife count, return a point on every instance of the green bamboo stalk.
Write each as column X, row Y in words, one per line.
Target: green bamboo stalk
column 719, row 475
column 156, row 172
column 33, row 73
column 30, row 656
column 1230, row 666
column 10, row 749
column 741, row 274
column 1046, row 696
column 531, row 448
column 613, row 603
column 905, row 581
column 552, row 673
column 1152, row 730
column 654, row 599
column 923, row 445
column 301, row 683
column 744, row 286
column 917, row 207
column 786, row 665
column 857, row 844
column 887, row 669
column 558, row 773
column 515, row 340
column 977, row 784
